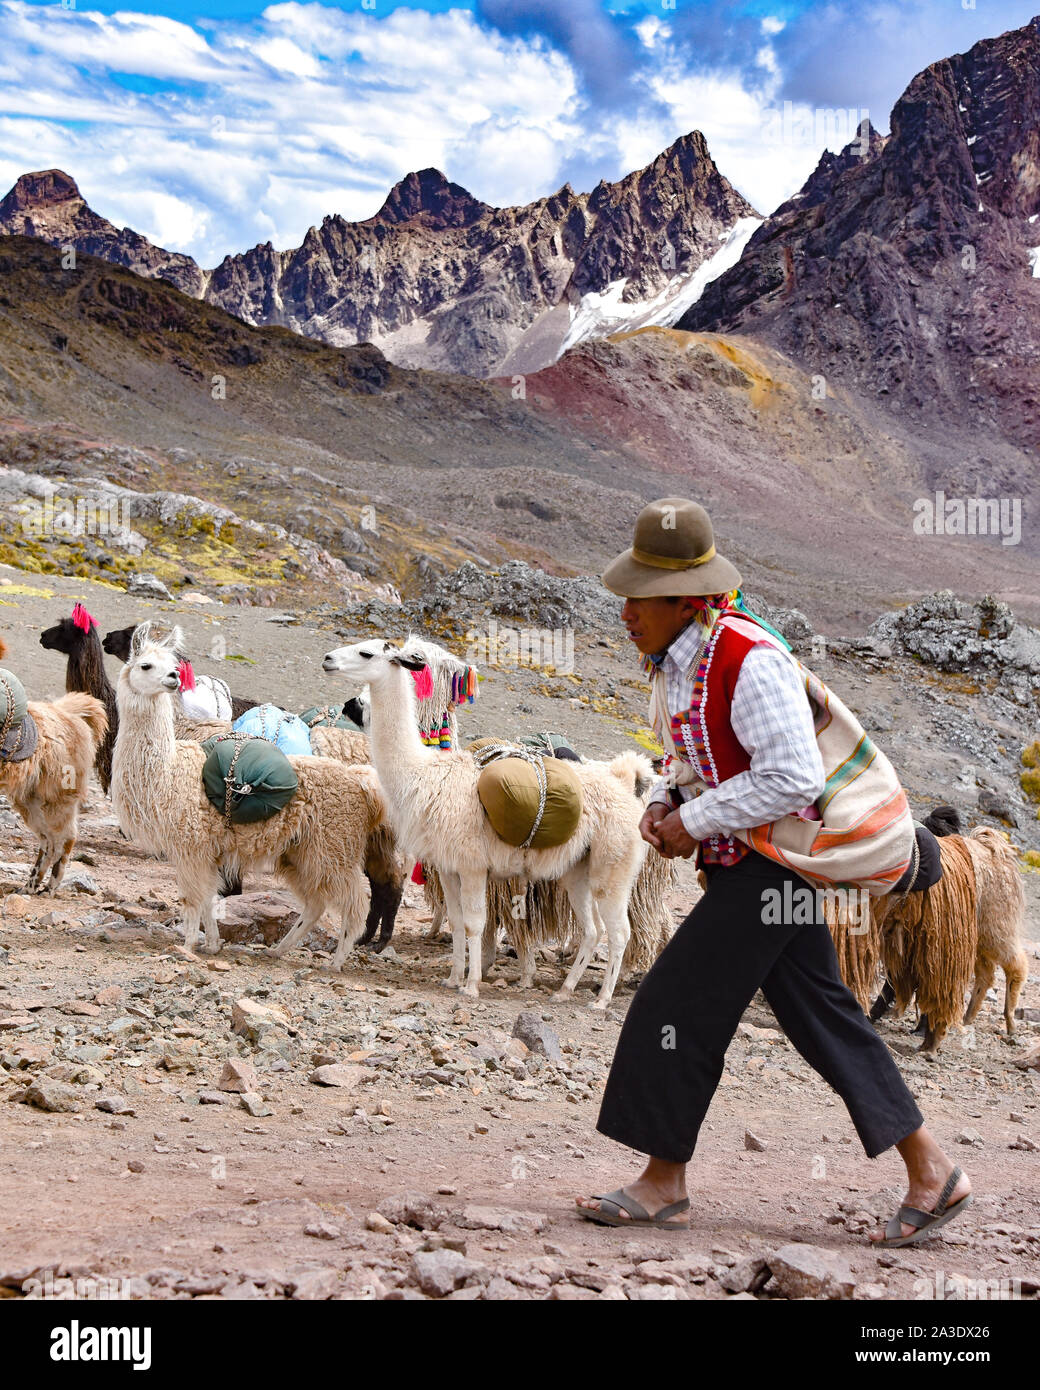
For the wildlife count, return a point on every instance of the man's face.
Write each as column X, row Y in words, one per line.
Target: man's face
column 654, row 623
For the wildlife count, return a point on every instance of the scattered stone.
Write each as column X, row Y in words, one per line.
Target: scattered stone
column 111, row 994
column 321, row 1230
column 537, row 1036
column 375, row 1221
column 809, row 1271
column 1031, row 1059
column 969, row 1136
column 871, row 1292
column 147, row 586
column 249, row 1018
column 252, row 1102
column 248, row 917
column 1024, row 1142
column 238, row 1076
column 513, row 1223
column 747, row 1276
column 55, row 1096
column 993, row 804
column 135, row 1165
column 440, row 1272
column 343, row 1074
column 751, row 1141
column 412, row 1209
column 314, row 1285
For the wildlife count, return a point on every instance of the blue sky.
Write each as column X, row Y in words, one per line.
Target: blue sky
column 215, row 125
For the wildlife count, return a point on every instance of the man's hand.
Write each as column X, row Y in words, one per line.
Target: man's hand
column 675, row 840
column 654, row 813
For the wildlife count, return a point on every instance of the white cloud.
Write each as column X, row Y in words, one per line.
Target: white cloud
column 258, row 129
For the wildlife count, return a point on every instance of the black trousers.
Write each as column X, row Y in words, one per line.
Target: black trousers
column 673, row 1042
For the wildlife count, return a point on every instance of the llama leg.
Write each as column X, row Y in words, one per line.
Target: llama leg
column 614, row 914
column 352, row 909
column 37, row 871
column 525, row 951
column 307, row 920
column 452, row 886
column 577, row 886
column 985, row 972
column 58, row 867
column 488, row 948
column 375, row 908
column 211, row 930
column 473, row 898
column 392, row 895
column 1015, row 974
column 434, row 929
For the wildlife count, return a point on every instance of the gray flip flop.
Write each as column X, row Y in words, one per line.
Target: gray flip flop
column 638, row 1215
column 925, row 1221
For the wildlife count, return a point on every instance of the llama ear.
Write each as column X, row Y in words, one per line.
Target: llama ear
column 410, row 663
column 142, row 633
column 175, row 639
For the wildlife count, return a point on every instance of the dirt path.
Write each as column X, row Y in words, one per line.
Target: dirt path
column 187, row 1194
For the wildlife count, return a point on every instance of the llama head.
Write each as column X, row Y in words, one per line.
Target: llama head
column 370, row 662
column 69, row 634
column 117, row 642
column 153, row 666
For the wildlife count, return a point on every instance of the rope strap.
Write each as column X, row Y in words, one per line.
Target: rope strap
column 230, row 790
column 6, row 728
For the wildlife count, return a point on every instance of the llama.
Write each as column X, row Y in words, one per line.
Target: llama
column 49, row 787
column 1002, row 911
column 316, row 843
column 438, row 819
column 938, row 943
column 77, row 637
column 202, row 697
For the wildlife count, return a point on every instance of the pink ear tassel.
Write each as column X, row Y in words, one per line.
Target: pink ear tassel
column 423, row 683
column 187, row 675
column 82, row 619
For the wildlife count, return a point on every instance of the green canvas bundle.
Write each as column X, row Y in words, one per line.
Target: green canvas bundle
column 532, row 802
column 328, row 717
column 246, row 779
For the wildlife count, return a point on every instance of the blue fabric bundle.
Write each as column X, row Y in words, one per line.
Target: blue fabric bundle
column 286, row 731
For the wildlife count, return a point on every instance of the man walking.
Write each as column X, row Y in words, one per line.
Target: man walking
column 729, row 701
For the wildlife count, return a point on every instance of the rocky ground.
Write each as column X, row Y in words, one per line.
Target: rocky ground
column 250, row 1128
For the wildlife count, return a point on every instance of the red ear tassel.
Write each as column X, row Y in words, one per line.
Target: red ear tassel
column 187, row 675
column 82, row 619
column 423, row 683
column 417, row 874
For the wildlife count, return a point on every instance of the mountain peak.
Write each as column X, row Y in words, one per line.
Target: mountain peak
column 46, row 188
column 429, row 197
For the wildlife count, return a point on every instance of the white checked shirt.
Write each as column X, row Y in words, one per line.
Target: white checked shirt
column 772, row 720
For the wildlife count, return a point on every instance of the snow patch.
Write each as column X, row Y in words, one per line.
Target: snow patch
column 602, row 312
column 1034, row 261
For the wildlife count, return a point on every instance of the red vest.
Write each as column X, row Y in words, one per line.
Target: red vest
column 703, row 735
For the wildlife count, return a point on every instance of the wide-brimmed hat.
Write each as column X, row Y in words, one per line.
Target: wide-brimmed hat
column 672, row 552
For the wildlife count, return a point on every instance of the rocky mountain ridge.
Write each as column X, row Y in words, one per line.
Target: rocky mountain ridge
column 437, row 278
column 906, row 272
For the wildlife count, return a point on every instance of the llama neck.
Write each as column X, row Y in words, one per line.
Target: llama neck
column 145, row 741
column 393, row 729
column 86, row 671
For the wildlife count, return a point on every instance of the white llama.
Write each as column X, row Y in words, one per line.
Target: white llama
column 316, row 843
column 438, row 819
